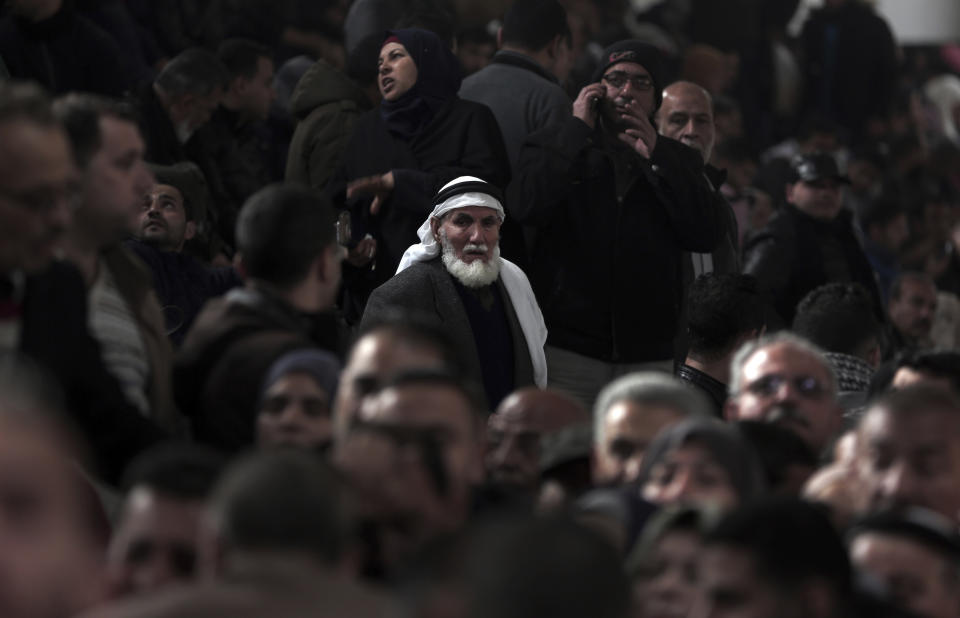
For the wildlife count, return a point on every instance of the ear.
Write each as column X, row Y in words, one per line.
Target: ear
column 237, row 86
column 435, row 228
column 190, row 230
column 788, row 192
column 499, row 37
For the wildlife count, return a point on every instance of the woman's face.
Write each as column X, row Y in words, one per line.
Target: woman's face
column 667, row 586
column 398, row 72
column 689, row 475
column 295, row 412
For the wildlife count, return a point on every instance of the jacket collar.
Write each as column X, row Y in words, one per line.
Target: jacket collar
column 516, row 59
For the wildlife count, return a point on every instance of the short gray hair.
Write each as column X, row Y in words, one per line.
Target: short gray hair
column 648, row 388
column 780, row 338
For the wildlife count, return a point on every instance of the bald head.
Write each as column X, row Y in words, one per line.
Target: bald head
column 686, row 115
column 515, row 432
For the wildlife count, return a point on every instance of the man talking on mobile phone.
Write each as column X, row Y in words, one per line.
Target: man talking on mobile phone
column 616, row 205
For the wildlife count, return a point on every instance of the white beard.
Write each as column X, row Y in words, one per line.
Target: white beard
column 476, row 274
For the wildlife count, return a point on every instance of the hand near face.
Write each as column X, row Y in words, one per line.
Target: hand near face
column 639, row 132
column 363, row 252
column 378, row 186
column 588, row 103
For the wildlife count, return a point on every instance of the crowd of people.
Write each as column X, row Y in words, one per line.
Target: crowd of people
column 446, row 309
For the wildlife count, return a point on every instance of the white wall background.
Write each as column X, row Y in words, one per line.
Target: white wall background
column 914, row 22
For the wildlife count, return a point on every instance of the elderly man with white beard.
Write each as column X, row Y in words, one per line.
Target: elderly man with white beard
column 456, row 277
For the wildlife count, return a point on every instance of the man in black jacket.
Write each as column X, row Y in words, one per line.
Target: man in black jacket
column 291, row 264
column 615, row 206
column 810, row 242
column 43, row 304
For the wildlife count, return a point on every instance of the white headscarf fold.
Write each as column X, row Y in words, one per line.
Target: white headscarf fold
column 514, row 280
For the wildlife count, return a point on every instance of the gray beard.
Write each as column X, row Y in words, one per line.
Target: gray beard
column 476, row 274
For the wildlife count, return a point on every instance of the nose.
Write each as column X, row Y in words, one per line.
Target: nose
column 690, row 129
column 476, row 234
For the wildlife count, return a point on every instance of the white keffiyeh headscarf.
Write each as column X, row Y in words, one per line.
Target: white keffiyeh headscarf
column 514, row 280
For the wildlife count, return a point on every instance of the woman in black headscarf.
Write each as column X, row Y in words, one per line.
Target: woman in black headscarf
column 399, row 156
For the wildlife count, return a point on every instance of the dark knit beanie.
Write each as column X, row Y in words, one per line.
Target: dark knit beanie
column 632, row 50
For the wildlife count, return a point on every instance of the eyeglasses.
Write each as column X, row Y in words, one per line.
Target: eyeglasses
column 618, row 79
column 768, row 385
column 44, row 200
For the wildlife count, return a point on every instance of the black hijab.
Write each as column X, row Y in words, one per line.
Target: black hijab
column 438, row 80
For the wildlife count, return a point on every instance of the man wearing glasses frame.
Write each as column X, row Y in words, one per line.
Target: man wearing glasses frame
column 615, row 206
column 786, row 380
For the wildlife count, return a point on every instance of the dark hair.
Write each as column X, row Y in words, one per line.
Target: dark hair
column 918, row 398
column 178, row 470
column 839, row 318
column 80, row 114
column 25, row 102
column 282, row 501
column 920, row 526
column 896, row 288
column 362, row 60
column 778, row 449
column 564, row 570
column 419, row 331
column 187, row 178
column 722, row 308
column 790, row 542
column 194, row 71
column 240, row 57
column 941, row 364
column 281, row 229
column 880, row 211
column 533, row 24
column 437, row 16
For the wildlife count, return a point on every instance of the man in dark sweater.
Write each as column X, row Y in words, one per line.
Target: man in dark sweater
column 169, row 218
column 810, row 242
column 291, row 264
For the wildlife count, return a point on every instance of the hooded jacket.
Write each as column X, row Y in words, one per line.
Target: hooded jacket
column 326, row 104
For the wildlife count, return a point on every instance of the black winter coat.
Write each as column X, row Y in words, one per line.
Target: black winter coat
column 607, row 267
column 786, row 258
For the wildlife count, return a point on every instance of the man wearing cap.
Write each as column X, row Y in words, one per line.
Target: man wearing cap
column 167, row 221
column 615, row 206
column 457, row 277
column 810, row 242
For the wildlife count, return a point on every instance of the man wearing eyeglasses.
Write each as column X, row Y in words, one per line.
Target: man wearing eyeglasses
column 786, row 380
column 615, row 206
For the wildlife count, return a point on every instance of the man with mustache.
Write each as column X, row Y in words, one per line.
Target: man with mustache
column 786, row 380
column 810, row 242
column 456, row 277
column 913, row 302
